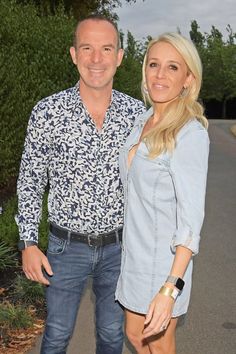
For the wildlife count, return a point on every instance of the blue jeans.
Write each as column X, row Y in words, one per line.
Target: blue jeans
column 72, row 263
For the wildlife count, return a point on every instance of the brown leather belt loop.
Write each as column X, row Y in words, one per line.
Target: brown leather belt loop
column 92, row 240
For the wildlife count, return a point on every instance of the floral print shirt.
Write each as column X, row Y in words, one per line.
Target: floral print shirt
column 64, row 149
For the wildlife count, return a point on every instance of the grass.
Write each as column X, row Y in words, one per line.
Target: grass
column 27, row 291
column 8, row 256
column 14, row 316
column 22, row 301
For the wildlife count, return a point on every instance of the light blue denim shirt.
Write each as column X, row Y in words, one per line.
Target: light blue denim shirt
column 164, row 208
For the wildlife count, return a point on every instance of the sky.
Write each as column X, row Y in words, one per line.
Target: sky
column 153, row 17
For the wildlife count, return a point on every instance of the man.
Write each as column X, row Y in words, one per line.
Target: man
column 73, row 141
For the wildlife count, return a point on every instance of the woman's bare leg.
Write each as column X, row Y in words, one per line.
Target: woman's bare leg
column 134, row 331
column 164, row 343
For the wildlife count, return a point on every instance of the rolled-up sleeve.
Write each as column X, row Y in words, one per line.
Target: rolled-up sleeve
column 189, row 166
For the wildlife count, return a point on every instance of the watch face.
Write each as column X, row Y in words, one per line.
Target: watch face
column 180, row 284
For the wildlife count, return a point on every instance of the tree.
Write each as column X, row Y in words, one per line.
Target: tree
column 196, row 36
column 129, row 75
column 231, row 35
column 78, row 8
column 219, row 64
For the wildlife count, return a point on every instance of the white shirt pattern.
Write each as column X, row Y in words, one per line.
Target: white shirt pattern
column 64, row 147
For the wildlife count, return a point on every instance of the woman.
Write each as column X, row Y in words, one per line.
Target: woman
column 164, row 168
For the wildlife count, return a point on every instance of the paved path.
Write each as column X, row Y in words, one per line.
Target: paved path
column 210, row 326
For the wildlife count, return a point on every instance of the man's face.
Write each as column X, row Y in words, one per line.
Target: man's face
column 96, row 54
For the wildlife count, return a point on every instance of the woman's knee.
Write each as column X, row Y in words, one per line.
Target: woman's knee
column 162, row 345
column 134, row 331
column 135, row 338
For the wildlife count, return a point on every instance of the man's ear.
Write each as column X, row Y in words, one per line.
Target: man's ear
column 120, row 55
column 73, row 55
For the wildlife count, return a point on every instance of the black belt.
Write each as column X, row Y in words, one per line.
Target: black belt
column 91, row 239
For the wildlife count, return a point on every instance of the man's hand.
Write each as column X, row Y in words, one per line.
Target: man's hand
column 33, row 260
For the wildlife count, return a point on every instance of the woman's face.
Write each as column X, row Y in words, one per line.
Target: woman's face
column 166, row 73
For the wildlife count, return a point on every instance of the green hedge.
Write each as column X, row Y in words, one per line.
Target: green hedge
column 34, row 63
column 9, row 234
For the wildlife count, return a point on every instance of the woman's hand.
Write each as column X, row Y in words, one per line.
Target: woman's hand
column 159, row 315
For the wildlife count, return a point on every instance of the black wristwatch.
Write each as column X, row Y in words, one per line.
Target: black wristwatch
column 178, row 282
column 23, row 244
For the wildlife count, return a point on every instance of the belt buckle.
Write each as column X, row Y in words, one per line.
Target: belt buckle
column 95, row 237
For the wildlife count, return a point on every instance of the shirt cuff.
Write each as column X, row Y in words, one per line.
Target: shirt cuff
column 186, row 238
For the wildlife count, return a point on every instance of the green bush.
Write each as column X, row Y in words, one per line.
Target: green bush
column 9, row 231
column 27, row 291
column 14, row 316
column 8, row 227
column 34, row 63
column 8, row 258
column 43, row 226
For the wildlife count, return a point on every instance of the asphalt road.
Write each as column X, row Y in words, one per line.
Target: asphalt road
column 210, row 325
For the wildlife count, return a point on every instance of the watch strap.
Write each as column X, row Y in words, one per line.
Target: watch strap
column 23, row 244
column 178, row 282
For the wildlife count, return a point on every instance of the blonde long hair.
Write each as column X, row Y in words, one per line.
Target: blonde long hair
column 162, row 137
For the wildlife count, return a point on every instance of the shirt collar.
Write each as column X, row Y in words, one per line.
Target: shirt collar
column 114, row 95
column 144, row 117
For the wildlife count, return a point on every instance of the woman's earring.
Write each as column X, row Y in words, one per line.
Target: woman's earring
column 183, row 92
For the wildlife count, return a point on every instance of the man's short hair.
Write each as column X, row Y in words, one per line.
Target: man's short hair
column 97, row 17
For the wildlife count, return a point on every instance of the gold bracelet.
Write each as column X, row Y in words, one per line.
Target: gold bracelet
column 173, row 293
